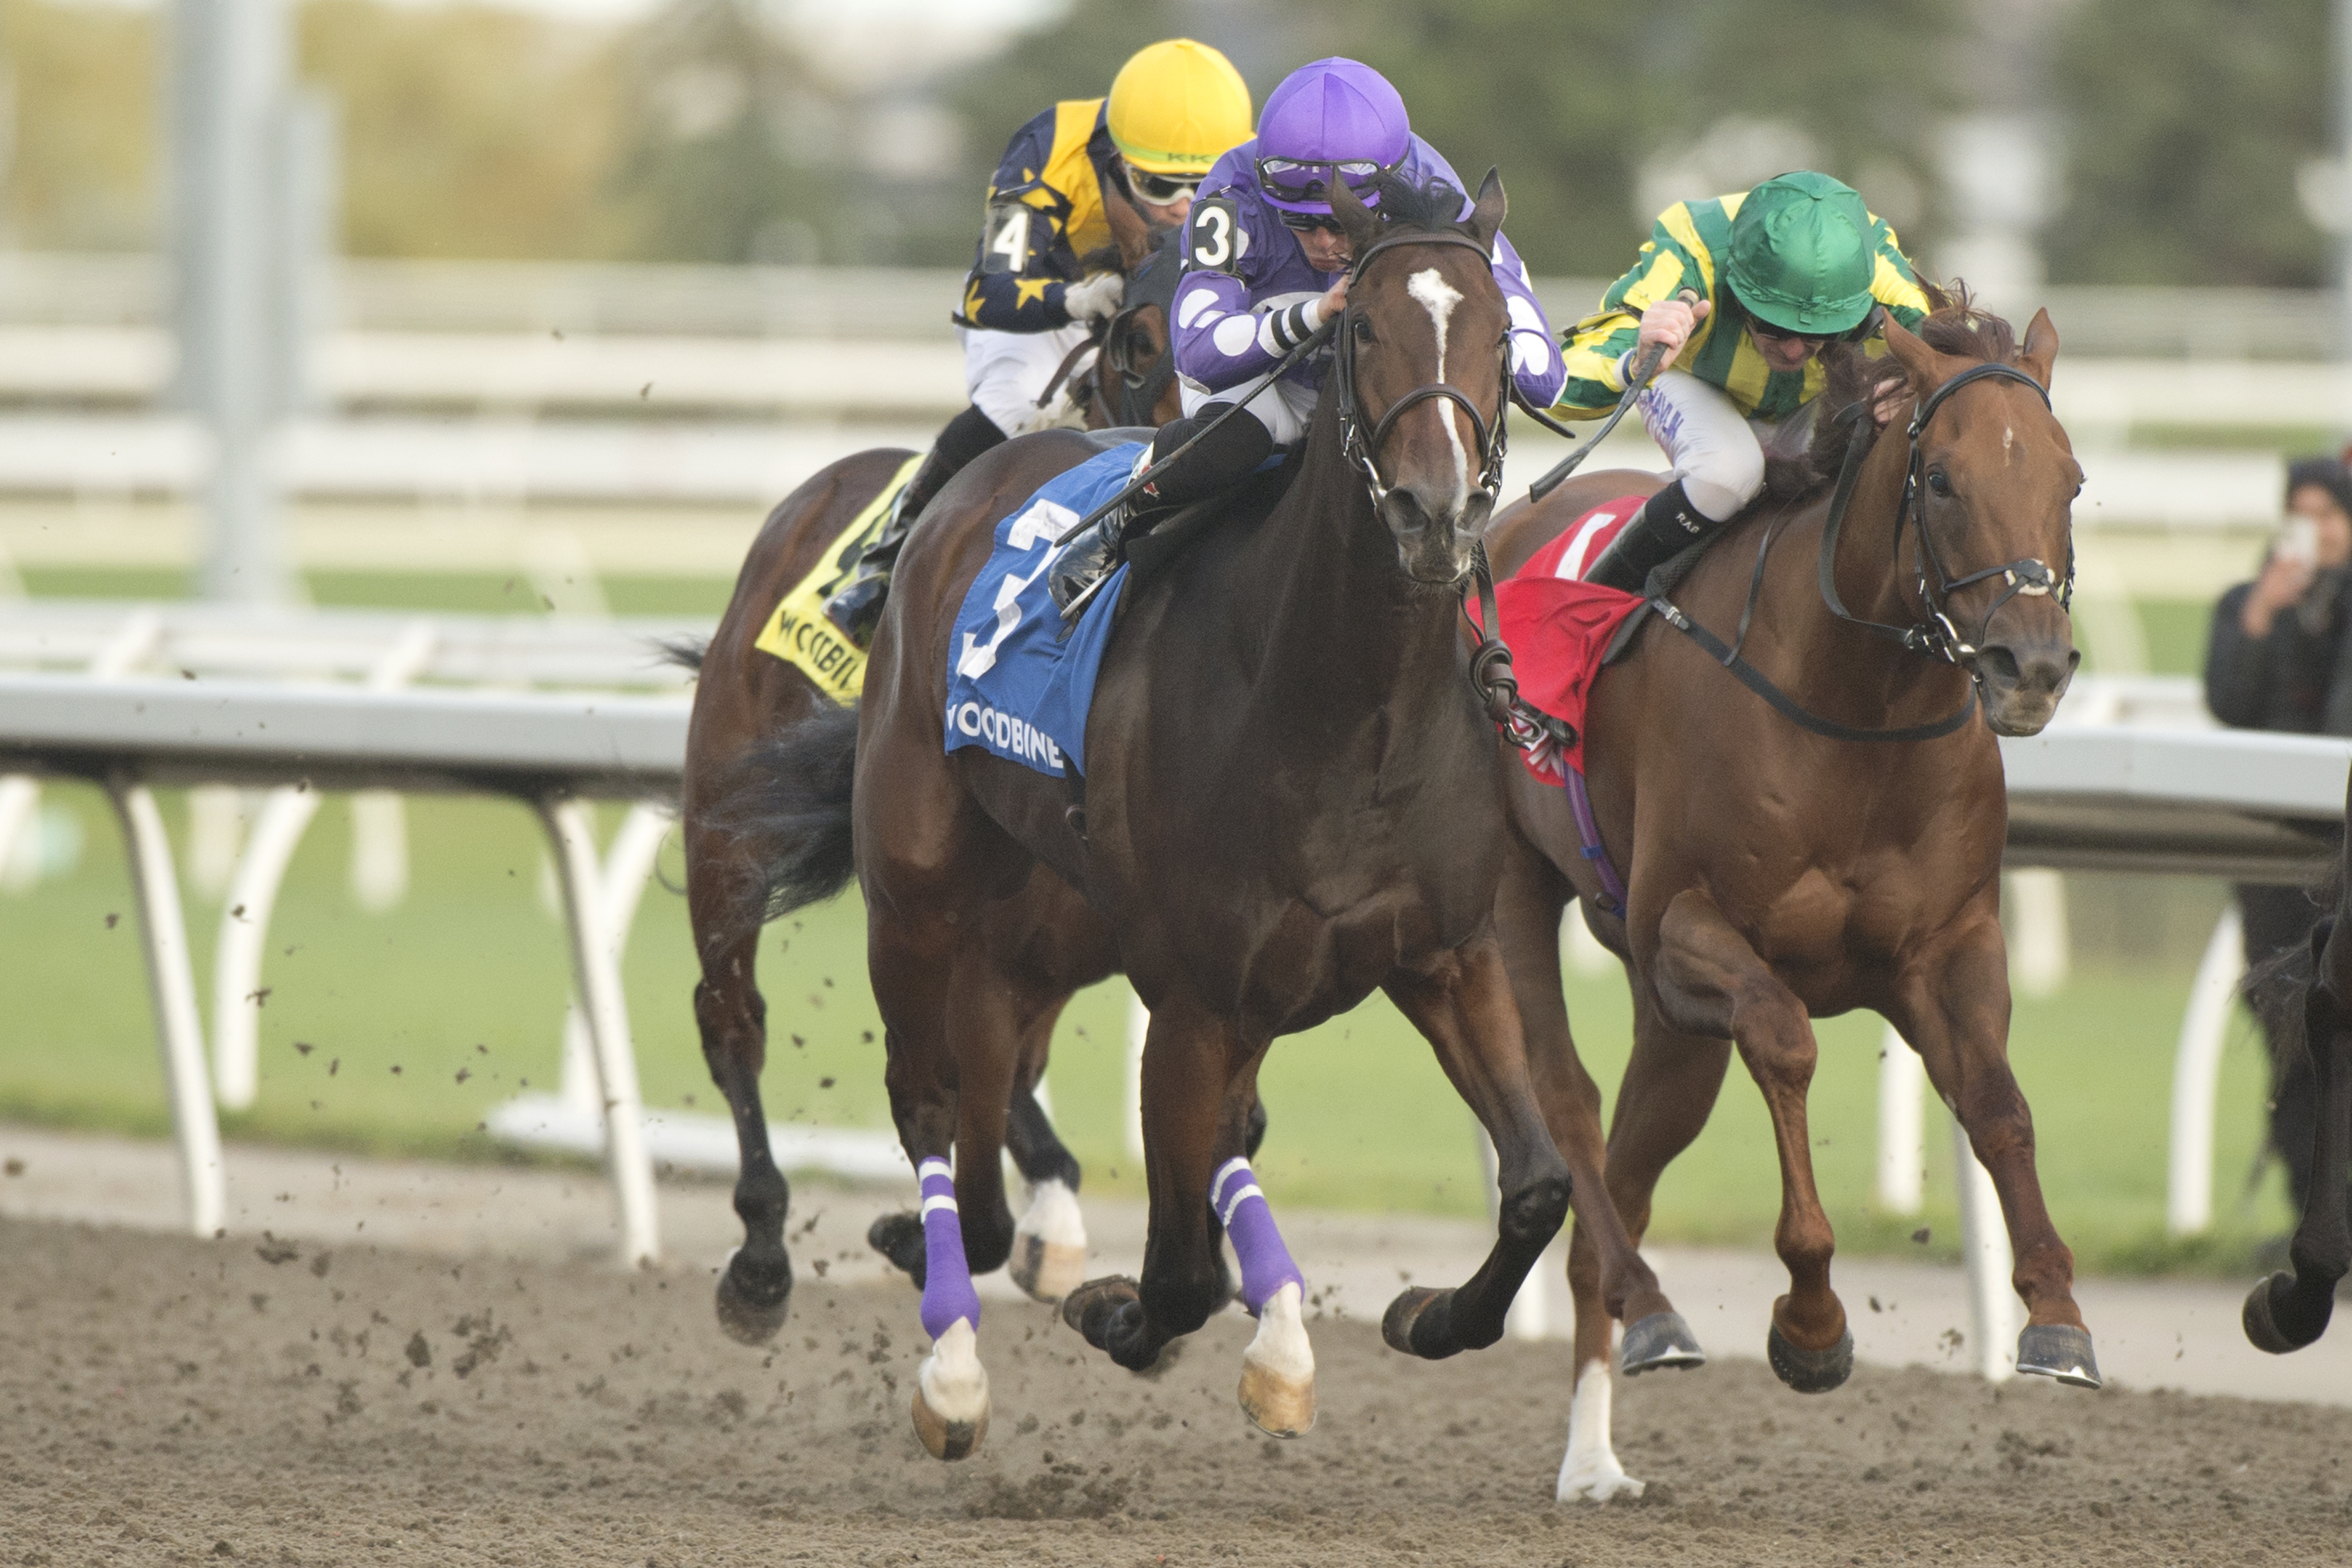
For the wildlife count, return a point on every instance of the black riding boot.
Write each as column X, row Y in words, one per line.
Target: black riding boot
column 857, row 606
column 1229, row 455
column 1666, row 525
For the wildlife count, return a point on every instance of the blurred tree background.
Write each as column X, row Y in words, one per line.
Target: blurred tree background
column 2195, row 145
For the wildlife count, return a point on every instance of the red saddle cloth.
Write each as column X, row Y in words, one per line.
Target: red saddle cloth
column 1557, row 627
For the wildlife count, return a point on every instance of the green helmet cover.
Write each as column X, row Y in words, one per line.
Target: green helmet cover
column 1801, row 259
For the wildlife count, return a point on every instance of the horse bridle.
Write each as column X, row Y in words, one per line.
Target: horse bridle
column 1361, row 451
column 1153, row 282
column 1934, row 635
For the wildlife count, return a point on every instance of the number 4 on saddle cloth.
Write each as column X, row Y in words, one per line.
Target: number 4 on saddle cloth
column 800, row 634
column 1559, row 627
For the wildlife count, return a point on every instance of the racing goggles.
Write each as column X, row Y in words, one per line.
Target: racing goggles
column 1288, row 180
column 1308, row 223
column 1161, row 190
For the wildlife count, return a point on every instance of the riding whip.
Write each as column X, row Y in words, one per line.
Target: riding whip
column 1645, row 369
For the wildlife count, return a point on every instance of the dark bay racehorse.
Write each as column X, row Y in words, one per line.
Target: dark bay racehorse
column 745, row 704
column 2290, row 1309
column 1778, row 873
column 1291, row 802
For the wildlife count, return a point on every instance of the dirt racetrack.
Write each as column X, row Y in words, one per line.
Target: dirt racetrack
column 164, row 1400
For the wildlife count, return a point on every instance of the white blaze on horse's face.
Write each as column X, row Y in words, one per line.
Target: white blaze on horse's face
column 1438, row 298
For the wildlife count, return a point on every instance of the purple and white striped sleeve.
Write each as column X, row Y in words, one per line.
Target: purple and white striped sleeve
column 1222, row 342
column 1536, row 363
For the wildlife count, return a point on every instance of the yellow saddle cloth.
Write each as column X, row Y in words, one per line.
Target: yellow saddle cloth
column 799, row 632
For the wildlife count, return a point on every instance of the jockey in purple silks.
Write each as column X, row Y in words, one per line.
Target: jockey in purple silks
column 1265, row 264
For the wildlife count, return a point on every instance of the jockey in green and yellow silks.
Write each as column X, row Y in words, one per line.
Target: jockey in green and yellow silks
column 1779, row 271
column 1025, row 306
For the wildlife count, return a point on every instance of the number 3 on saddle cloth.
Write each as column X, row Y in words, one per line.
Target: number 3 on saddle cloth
column 1559, row 627
column 1015, row 685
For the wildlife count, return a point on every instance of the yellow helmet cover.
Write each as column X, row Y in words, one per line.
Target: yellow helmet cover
column 1175, row 105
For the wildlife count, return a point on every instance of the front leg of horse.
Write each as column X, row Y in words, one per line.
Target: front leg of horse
column 1710, row 981
column 1186, row 1127
column 1049, row 1243
column 1464, row 1008
column 1960, row 1030
column 755, row 1290
column 2288, row 1311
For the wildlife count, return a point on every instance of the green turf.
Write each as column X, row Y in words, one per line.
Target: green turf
column 417, row 1020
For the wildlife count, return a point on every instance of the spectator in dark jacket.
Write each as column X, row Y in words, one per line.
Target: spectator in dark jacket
column 2280, row 658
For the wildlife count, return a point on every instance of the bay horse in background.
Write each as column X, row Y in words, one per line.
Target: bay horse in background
column 2291, row 1309
column 1291, row 802
column 1786, row 869
column 747, row 702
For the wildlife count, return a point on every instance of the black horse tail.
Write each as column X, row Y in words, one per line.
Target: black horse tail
column 793, row 801
column 686, row 652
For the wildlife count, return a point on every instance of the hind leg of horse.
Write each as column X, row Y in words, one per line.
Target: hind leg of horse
column 1669, row 1087
column 755, row 1290
column 1464, row 1009
column 1709, row 980
column 1954, row 1012
column 1049, row 1243
column 913, row 974
column 2288, row 1311
column 1200, row 1080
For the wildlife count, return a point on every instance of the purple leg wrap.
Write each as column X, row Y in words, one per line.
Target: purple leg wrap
column 947, row 1278
column 1265, row 1262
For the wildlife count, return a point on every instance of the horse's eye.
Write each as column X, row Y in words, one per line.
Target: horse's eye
column 1363, row 330
column 1939, row 483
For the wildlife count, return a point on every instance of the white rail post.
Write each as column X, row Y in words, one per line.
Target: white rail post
column 129, row 646
column 1902, row 1131
column 1139, row 1024
column 179, row 1030
column 1529, row 1316
column 2196, row 1077
column 628, row 867
column 2039, row 955
column 1984, row 1243
column 244, row 941
column 596, row 972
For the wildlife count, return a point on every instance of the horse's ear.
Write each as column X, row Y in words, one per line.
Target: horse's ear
column 1923, row 364
column 1356, row 221
column 1129, row 229
column 2041, row 348
column 1487, row 213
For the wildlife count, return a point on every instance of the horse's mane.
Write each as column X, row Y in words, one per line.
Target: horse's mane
column 1435, row 206
column 1103, row 257
column 1956, row 325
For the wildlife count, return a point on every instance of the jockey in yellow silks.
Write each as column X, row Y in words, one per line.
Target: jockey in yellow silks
column 1172, row 110
column 1779, row 271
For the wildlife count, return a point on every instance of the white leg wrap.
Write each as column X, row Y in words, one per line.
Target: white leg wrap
column 951, row 1395
column 1278, row 1368
column 1049, row 1245
column 1591, row 1470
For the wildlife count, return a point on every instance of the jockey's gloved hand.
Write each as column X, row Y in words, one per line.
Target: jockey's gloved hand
column 1093, row 298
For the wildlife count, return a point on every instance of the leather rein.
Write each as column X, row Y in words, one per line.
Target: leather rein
column 1934, row 636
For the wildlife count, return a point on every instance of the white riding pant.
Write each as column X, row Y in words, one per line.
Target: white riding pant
column 1717, row 452
column 1008, row 372
column 1285, row 409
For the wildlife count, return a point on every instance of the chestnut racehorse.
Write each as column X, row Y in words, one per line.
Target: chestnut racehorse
column 1786, row 867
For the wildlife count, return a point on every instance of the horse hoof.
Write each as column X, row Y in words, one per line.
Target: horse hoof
column 1660, row 1340
column 952, row 1395
column 1090, row 1308
column 2060, row 1351
column 1277, row 1388
column 1416, row 1323
column 899, row 1239
column 2262, row 1317
column 1809, row 1372
column 1049, row 1245
column 754, row 1301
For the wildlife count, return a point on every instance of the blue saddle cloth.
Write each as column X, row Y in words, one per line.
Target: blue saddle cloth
column 1015, row 685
